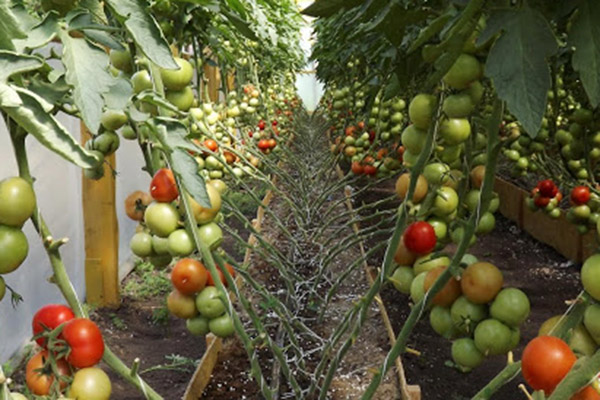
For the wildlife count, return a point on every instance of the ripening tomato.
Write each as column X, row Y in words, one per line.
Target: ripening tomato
column 580, row 195
column 419, row 237
column 370, row 170
column 90, row 384
column 211, row 145
column 40, row 382
column 50, row 317
column 85, row 340
column 163, row 187
column 546, row 361
column 136, row 203
column 357, row 168
column 449, row 293
column 211, row 282
column 189, row 276
column 587, row 393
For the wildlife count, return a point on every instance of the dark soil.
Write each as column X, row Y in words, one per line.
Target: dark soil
column 544, row 275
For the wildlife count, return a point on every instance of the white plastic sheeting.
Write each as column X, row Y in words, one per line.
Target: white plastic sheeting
column 58, row 190
column 309, row 88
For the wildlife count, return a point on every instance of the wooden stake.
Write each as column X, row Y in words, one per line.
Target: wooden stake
column 101, row 236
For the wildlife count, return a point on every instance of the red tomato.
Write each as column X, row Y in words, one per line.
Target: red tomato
column 541, row 201
column 189, row 276
column 261, row 125
column 361, row 125
column 372, row 135
column 263, row 144
column 580, row 195
column 50, row 317
column 357, row 168
column 274, row 123
column 85, row 340
column 211, row 282
column 587, row 393
column 211, row 145
column 272, row 143
column 420, row 237
column 546, row 361
column 163, row 187
column 547, row 188
column 40, row 382
column 370, row 170
column 250, row 133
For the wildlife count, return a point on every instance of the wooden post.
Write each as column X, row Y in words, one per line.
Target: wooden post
column 214, row 81
column 101, row 236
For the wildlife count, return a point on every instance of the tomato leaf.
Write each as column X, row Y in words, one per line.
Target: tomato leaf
column 517, row 63
column 174, row 134
column 9, row 26
column 145, row 31
column 585, row 37
column 40, row 34
column 241, row 25
column 87, row 72
column 13, row 63
column 326, row 8
column 34, row 118
column 118, row 95
column 186, row 167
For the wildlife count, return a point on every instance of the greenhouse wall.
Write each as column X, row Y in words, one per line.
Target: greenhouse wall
column 58, row 190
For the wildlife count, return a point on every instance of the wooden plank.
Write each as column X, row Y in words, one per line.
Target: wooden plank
column 214, row 81
column 101, row 235
column 202, row 376
column 511, row 200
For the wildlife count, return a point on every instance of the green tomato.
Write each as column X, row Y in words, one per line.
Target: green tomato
column 141, row 81
column 402, row 279
column 457, row 234
column 475, row 91
column 466, row 315
column 17, row 201
column 209, row 303
column 446, row 201
column 486, row 224
column 417, row 288
column 455, row 130
column 211, row 234
column 582, row 342
column 458, row 105
column 409, row 158
column 441, row 322
column 160, row 246
column 198, row 325
column 428, row 262
column 511, row 306
column 90, row 384
column 13, row 248
column 106, row 143
column 113, row 120
column 413, row 139
column 128, row 133
column 439, row 226
column 421, row 110
column 141, row 244
column 465, row 354
column 121, row 60
column 451, row 154
column 222, row 326
column 590, row 276
column 591, row 320
column 465, row 70
column 492, row 337
column 180, row 244
column 161, row 218
column 436, row 173
column 182, row 99
column 179, row 78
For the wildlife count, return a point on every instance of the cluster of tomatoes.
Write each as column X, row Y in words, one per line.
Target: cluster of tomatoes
column 68, row 351
column 547, row 359
column 546, row 196
column 17, row 205
column 475, row 311
column 196, row 299
column 355, row 130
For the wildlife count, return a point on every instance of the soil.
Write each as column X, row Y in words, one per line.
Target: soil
column 544, row 275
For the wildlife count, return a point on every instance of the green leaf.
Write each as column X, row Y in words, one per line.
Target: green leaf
column 87, row 72
column 145, row 31
column 39, row 35
column 33, row 118
column 186, row 167
column 13, row 63
column 517, row 64
column 9, row 26
column 94, row 31
column 118, row 94
column 238, row 7
column 96, row 8
column 430, row 31
column 51, row 92
column 241, row 25
column 326, row 8
column 585, row 37
column 174, row 134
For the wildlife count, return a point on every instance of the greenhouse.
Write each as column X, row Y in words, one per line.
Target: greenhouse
column 299, row 199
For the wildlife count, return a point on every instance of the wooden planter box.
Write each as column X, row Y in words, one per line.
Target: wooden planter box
column 558, row 233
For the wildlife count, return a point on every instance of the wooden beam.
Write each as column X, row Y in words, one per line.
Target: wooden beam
column 101, row 235
column 214, row 81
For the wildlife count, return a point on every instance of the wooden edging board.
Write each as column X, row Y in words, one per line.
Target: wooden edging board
column 408, row 392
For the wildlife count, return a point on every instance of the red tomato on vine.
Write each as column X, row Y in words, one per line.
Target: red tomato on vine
column 50, row 317
column 163, row 187
column 580, row 195
column 545, row 362
column 420, row 237
column 85, row 340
